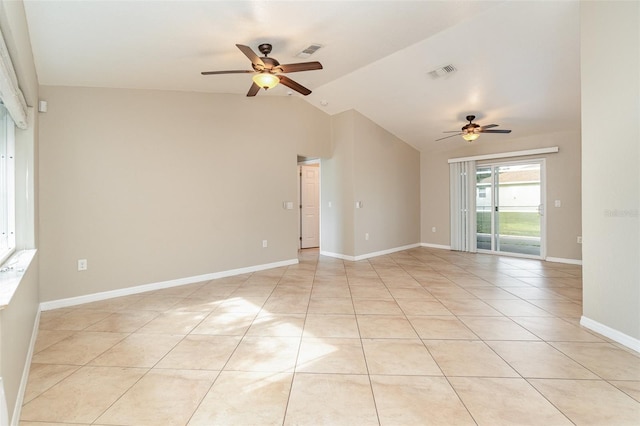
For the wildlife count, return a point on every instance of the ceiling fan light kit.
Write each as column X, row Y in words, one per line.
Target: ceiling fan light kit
column 471, row 131
column 268, row 71
column 266, row 80
column 470, row 137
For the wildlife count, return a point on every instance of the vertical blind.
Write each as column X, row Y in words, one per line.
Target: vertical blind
column 462, row 195
column 10, row 93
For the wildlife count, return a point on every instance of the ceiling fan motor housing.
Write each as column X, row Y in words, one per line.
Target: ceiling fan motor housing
column 471, row 127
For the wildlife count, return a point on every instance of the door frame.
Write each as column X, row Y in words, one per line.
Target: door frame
column 298, row 171
column 543, row 200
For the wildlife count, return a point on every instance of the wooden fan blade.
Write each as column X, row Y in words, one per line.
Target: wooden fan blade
column 226, row 72
column 253, row 90
column 293, row 85
column 302, row 66
column 255, row 59
column 495, row 131
column 488, row 126
column 450, row 136
column 452, row 131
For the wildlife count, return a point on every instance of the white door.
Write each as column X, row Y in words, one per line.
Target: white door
column 309, row 206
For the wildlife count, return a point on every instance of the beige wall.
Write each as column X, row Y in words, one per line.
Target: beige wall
column 370, row 165
column 610, row 158
column 337, row 188
column 387, row 181
column 563, row 175
column 17, row 320
column 150, row 186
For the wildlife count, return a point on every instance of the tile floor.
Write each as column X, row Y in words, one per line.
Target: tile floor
column 419, row 337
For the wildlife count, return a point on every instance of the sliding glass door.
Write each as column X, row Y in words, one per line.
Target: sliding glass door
column 509, row 208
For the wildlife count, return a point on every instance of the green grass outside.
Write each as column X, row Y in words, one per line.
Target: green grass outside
column 521, row 224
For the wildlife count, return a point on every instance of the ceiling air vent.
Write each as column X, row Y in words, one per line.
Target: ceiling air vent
column 442, row 71
column 309, row 51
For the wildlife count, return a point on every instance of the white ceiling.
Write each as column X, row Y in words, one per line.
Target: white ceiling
column 517, row 61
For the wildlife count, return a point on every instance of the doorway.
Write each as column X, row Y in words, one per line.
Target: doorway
column 510, row 208
column 309, row 195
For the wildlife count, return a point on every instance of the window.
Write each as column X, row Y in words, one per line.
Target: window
column 7, row 185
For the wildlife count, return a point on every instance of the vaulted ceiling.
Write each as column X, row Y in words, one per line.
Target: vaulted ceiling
column 517, row 62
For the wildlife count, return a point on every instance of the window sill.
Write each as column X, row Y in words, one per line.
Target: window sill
column 6, row 254
column 11, row 273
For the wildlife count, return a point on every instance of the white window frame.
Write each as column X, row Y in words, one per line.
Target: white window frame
column 7, row 186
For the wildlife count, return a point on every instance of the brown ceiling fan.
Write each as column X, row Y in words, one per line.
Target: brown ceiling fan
column 268, row 71
column 471, row 131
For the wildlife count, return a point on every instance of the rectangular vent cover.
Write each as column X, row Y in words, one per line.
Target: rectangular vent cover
column 309, row 51
column 442, row 71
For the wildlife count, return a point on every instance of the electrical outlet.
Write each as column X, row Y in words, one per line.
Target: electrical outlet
column 433, row 229
column 579, row 240
column 366, row 236
column 82, row 265
column 264, row 243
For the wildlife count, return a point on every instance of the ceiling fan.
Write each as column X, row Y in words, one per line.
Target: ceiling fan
column 268, row 71
column 471, row 131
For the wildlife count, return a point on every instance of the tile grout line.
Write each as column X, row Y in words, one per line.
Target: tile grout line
column 155, row 364
column 304, row 323
column 364, row 355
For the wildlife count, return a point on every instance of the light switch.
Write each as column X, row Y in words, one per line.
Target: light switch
column 558, row 203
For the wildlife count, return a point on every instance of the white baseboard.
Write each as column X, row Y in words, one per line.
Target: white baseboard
column 95, row 297
column 563, row 260
column 25, row 373
column 368, row 255
column 338, row 255
column 615, row 335
column 436, row 246
column 388, row 251
column 548, row 259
